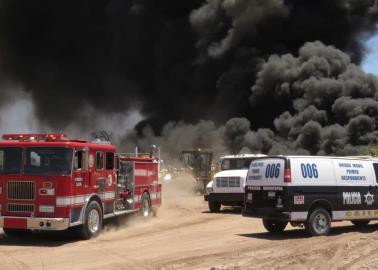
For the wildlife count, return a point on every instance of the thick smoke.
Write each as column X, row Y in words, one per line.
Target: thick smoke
column 279, row 25
column 245, row 19
column 257, row 29
column 178, row 136
column 241, row 64
column 332, row 104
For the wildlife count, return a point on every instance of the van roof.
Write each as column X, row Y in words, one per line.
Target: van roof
column 329, row 157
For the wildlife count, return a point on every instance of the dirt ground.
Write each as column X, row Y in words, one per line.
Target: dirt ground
column 184, row 235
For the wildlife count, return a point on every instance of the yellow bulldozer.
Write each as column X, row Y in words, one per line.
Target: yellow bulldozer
column 200, row 164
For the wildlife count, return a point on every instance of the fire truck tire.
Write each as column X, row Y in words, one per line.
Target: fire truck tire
column 274, row 226
column 92, row 221
column 16, row 232
column 214, row 207
column 146, row 205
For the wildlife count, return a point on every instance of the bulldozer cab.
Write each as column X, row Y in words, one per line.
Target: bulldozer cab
column 199, row 162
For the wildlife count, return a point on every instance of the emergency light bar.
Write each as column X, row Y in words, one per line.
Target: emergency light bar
column 38, row 137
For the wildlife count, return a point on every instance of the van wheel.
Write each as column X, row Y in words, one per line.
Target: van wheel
column 17, row 232
column 92, row 221
column 360, row 223
column 214, row 206
column 274, row 226
column 319, row 222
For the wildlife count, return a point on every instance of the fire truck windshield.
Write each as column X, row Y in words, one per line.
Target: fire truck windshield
column 48, row 161
column 10, row 160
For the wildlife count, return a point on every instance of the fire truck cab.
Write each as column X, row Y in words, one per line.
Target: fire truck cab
column 51, row 182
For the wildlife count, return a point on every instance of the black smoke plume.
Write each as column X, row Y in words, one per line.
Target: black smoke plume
column 178, row 62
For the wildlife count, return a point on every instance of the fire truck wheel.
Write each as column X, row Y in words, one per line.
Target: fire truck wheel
column 16, row 232
column 146, row 205
column 214, row 206
column 93, row 221
column 274, row 226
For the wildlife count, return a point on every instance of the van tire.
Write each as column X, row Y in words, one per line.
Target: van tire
column 214, row 206
column 360, row 223
column 318, row 222
column 274, row 226
column 92, row 221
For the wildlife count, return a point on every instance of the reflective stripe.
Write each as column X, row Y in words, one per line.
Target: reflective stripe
column 81, row 199
column 71, row 200
column 355, row 214
column 298, row 216
column 155, row 195
column 340, row 215
column 109, row 195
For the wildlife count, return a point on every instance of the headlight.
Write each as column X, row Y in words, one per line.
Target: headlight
column 47, row 191
column 209, row 190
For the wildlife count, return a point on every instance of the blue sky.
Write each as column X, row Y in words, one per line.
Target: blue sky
column 370, row 63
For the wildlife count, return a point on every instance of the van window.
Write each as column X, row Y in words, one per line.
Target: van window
column 375, row 165
column 109, row 161
column 99, row 161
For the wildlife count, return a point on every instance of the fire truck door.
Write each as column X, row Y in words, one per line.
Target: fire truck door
column 80, row 172
column 98, row 174
column 110, row 175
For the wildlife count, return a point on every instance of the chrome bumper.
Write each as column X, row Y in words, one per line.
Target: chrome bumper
column 45, row 224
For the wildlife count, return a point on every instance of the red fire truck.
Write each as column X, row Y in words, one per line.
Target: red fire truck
column 51, row 182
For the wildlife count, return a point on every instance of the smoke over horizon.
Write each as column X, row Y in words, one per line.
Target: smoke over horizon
column 273, row 76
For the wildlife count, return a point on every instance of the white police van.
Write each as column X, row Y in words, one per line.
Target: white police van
column 312, row 191
column 227, row 186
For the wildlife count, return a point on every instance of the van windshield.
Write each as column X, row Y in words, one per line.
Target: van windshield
column 48, row 161
column 10, row 160
column 235, row 164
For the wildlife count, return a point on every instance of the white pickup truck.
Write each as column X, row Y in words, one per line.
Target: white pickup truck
column 227, row 186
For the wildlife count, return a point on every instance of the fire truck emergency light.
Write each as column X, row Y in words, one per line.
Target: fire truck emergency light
column 40, row 136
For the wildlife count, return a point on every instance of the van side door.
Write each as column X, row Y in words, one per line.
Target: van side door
column 356, row 184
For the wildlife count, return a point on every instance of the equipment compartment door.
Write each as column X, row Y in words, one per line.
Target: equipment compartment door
column 125, row 185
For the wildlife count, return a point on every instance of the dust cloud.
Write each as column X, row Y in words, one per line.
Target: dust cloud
column 179, row 200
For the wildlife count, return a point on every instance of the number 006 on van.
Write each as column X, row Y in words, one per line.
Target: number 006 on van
column 312, row 191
